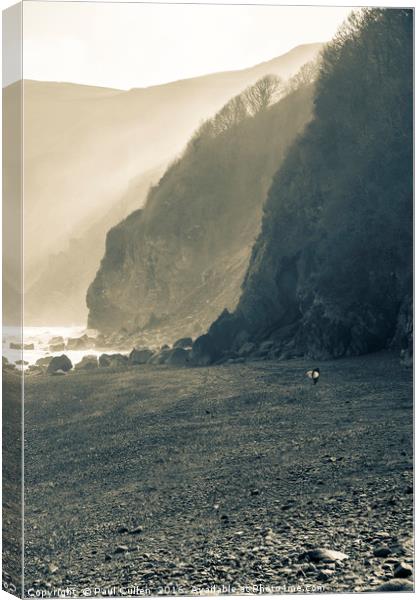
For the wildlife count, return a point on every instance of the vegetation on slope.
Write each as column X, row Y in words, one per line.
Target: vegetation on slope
column 182, row 259
column 330, row 273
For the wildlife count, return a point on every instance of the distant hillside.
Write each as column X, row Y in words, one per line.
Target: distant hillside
column 83, row 145
column 331, row 272
column 58, row 295
column 178, row 262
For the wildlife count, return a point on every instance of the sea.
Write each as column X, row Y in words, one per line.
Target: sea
column 40, row 338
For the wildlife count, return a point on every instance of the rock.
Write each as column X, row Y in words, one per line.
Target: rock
column 121, row 549
column 325, row 574
column 76, row 344
column 382, row 551
column 159, row 358
column 119, row 360
column 185, row 342
column 59, row 363
column 395, row 585
column 52, row 568
column 35, row 370
column 82, row 343
column 204, row 351
column 323, row 555
column 140, row 357
column 113, row 360
column 21, row 362
column 56, row 347
column 247, row 349
column 136, row 530
column 108, row 557
column 122, row 529
column 58, row 339
column 104, row 360
column 17, row 346
column 44, row 361
column 87, row 363
column 59, row 372
column 8, row 366
column 101, row 341
column 178, row 357
column 403, row 570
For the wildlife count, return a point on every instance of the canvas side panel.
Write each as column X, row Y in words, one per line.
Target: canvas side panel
column 12, row 381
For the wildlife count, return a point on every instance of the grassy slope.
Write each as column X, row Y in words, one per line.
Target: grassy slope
column 160, row 447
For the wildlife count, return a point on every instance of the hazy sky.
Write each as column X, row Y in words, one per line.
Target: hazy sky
column 136, row 45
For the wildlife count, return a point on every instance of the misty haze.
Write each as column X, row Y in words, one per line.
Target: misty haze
column 217, row 287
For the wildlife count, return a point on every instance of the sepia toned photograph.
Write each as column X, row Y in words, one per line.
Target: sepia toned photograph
column 207, row 299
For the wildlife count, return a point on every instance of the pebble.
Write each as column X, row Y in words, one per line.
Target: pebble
column 136, row 530
column 402, row 570
column 52, row 568
column 121, row 549
column 381, row 551
column 323, row 555
column 122, row 529
column 395, row 585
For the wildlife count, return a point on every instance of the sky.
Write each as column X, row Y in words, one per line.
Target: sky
column 138, row 45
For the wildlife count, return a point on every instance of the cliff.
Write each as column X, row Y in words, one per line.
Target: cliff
column 331, row 271
column 178, row 262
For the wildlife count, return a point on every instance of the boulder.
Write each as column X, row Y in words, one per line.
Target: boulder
column 44, row 361
column 59, row 363
column 58, row 339
column 87, row 363
column 178, row 357
column 226, row 330
column 395, row 585
column 34, row 370
column 57, row 347
column 82, row 343
column 101, row 341
column 403, row 570
column 59, row 372
column 104, row 360
column 119, row 360
column 17, row 346
column 159, row 358
column 113, row 360
column 382, row 551
column 7, row 365
column 21, row 362
column 204, row 351
column 185, row 342
column 140, row 357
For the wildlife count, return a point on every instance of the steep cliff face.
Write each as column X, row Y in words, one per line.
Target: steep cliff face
column 181, row 260
column 331, row 272
column 84, row 146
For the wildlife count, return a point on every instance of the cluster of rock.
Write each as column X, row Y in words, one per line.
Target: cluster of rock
column 8, row 366
column 58, row 344
column 19, row 346
column 179, row 355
